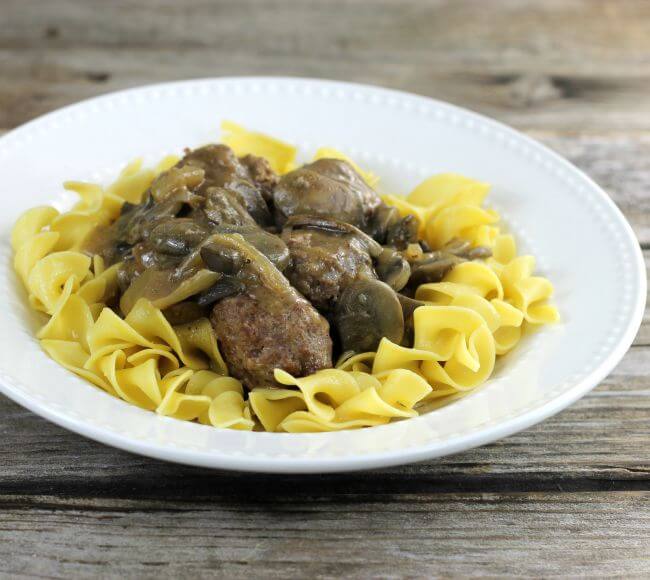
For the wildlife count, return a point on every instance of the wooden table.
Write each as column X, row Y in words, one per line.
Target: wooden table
column 568, row 497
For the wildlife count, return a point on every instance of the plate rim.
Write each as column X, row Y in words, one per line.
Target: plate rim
column 309, row 464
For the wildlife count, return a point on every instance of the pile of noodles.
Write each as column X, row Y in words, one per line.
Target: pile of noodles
column 479, row 311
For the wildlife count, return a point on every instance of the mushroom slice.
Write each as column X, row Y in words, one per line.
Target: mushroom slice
column 392, row 268
column 388, row 227
column 409, row 306
column 222, row 288
column 265, row 242
column 226, row 207
column 225, row 260
column 232, row 255
column 368, row 311
column 464, row 249
column 479, row 253
column 433, row 267
column 403, row 232
column 176, row 236
column 184, row 312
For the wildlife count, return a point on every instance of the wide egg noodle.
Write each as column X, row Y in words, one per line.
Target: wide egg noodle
column 166, row 360
column 466, row 371
column 395, row 397
column 356, row 362
column 31, row 223
column 280, row 155
column 392, row 356
column 437, row 193
column 323, row 390
column 133, row 181
column 32, row 251
column 447, row 189
column 453, row 346
column 72, row 356
column 72, row 321
column 211, row 399
column 110, row 331
column 272, row 406
column 476, row 286
column 450, row 333
column 54, row 277
column 378, row 401
column 86, row 337
column 103, row 286
column 197, row 346
column 74, row 228
column 139, row 385
column 229, row 410
column 528, row 293
column 178, row 404
column 304, row 422
column 332, row 400
column 458, row 221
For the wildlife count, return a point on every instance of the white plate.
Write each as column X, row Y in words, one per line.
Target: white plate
column 582, row 242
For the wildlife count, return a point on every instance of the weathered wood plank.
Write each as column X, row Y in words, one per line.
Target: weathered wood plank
column 359, row 536
column 587, row 66
column 43, row 80
column 396, row 29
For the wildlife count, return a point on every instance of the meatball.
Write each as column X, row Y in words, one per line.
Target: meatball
column 343, row 172
column 322, row 264
column 325, row 188
column 260, row 332
column 222, row 169
column 261, row 173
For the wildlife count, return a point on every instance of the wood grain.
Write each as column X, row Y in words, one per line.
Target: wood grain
column 551, row 64
column 356, row 535
column 568, row 497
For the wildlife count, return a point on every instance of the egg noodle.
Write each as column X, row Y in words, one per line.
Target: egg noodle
column 477, row 312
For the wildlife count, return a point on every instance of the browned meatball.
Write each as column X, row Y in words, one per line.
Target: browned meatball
column 325, row 188
column 223, row 170
column 261, row 332
column 219, row 164
column 322, row 264
column 261, row 173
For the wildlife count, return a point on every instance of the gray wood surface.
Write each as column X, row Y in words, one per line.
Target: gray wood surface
column 568, row 497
